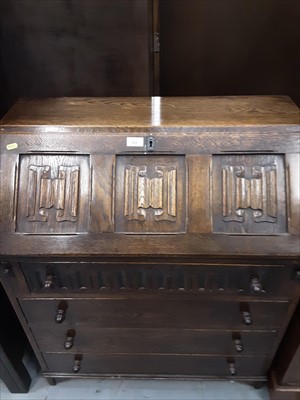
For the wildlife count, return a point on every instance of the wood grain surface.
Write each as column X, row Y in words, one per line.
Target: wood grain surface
column 140, row 112
column 139, row 248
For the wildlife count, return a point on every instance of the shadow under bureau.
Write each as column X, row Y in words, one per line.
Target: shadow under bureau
column 152, row 237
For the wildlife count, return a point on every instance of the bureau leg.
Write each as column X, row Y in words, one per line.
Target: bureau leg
column 51, row 381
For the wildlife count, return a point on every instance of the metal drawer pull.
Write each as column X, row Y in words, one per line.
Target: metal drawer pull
column 49, row 281
column 238, row 345
column 6, row 268
column 255, row 285
column 237, row 341
column 70, row 336
column 247, row 318
column 232, row 368
column 77, row 363
column 60, row 315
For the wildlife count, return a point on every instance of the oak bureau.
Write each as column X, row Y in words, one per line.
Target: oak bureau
column 152, row 237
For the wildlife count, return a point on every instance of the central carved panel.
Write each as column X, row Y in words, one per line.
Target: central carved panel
column 150, row 192
column 143, row 192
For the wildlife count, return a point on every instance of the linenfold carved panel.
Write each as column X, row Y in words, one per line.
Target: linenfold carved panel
column 60, row 193
column 249, row 194
column 257, row 193
column 150, row 195
column 53, row 194
column 142, row 192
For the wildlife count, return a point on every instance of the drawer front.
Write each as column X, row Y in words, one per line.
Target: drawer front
column 155, row 365
column 86, row 339
column 158, row 313
column 48, row 278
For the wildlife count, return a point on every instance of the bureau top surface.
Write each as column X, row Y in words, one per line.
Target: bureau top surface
column 153, row 111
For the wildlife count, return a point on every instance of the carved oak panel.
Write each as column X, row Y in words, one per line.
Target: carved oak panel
column 150, row 194
column 249, row 194
column 53, row 194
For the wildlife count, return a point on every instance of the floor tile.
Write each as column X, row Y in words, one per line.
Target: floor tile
column 38, row 391
column 110, row 389
column 233, row 391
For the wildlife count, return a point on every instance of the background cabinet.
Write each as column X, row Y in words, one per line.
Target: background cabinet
column 74, row 48
column 110, row 48
column 229, row 47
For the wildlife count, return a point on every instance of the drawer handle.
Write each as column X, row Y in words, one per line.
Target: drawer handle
column 247, row 318
column 60, row 315
column 237, row 341
column 232, row 368
column 6, row 268
column 70, row 337
column 255, row 285
column 77, row 363
column 297, row 274
column 49, row 281
column 238, row 345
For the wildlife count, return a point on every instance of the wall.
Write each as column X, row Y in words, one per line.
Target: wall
column 230, row 47
column 73, row 48
column 102, row 48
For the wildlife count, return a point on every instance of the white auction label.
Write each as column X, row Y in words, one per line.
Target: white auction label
column 135, row 141
column 12, row 146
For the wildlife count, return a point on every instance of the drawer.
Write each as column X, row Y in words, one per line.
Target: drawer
column 86, row 339
column 155, row 365
column 158, row 312
column 259, row 280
